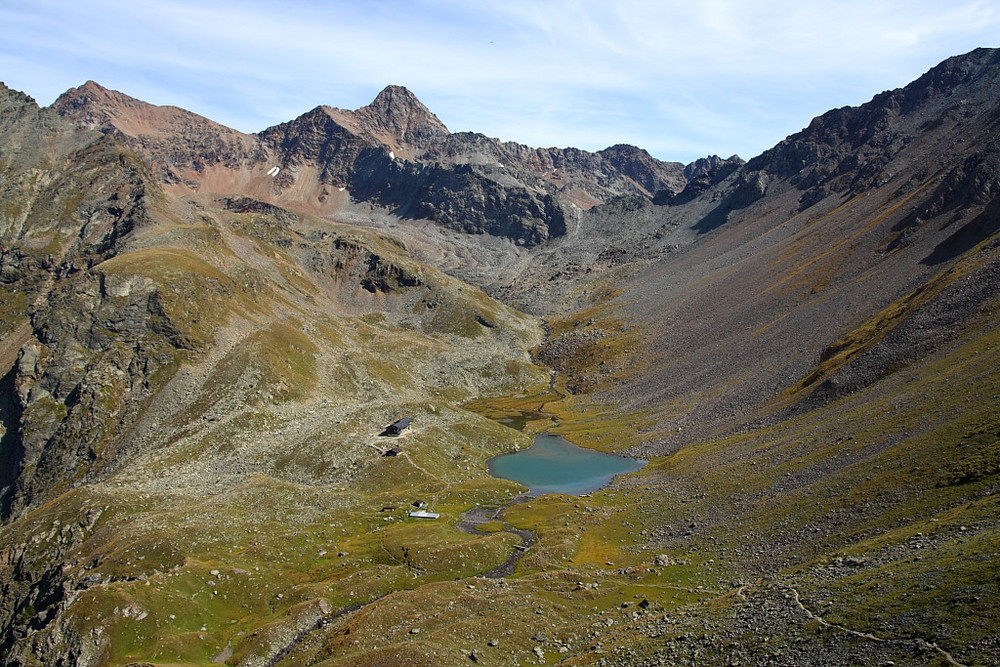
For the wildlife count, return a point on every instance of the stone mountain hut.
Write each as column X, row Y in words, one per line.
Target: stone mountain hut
column 397, row 428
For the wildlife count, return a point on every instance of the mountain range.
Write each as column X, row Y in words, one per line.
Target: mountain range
column 204, row 332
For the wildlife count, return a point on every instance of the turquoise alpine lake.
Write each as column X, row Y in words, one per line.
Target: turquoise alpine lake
column 555, row 465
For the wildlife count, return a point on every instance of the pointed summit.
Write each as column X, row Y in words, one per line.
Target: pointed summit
column 397, row 111
column 93, row 88
column 95, row 107
column 396, row 95
column 92, row 92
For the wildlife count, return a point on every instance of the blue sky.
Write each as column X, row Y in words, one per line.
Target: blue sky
column 680, row 79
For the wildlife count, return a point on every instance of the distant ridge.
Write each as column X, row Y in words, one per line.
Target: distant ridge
column 393, row 152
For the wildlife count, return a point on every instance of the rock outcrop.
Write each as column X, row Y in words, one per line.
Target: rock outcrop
column 852, row 149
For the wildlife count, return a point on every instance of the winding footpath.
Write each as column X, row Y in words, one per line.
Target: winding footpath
column 922, row 643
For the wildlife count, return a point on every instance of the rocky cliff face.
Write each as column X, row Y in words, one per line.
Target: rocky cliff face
column 71, row 199
column 855, row 149
column 74, row 198
column 398, row 119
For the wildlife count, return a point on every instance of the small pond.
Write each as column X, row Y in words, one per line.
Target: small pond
column 555, row 465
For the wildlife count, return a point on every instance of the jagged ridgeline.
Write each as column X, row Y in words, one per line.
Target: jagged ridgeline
column 393, row 153
column 203, row 334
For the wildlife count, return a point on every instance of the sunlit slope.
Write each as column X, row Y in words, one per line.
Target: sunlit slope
column 816, row 377
column 280, row 346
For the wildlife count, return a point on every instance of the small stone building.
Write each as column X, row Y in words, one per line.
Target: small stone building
column 397, row 428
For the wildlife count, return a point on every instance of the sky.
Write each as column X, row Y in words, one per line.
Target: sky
column 682, row 79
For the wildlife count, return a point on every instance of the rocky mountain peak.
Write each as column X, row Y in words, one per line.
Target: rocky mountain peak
column 11, row 97
column 94, row 95
column 978, row 68
column 397, row 111
column 650, row 174
column 95, row 107
column 91, row 87
column 625, row 149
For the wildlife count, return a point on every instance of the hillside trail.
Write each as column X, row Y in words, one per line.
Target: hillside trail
column 920, row 642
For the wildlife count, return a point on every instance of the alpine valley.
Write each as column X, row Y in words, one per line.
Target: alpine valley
column 204, row 333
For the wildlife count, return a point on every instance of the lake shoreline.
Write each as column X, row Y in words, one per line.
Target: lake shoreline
column 553, row 464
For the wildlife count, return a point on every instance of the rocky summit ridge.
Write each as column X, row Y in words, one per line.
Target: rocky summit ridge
column 204, row 333
column 393, row 153
column 397, row 114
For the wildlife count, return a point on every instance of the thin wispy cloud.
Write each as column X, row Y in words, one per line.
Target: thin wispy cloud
column 680, row 79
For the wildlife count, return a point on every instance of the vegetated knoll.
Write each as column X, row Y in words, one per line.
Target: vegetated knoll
column 201, row 382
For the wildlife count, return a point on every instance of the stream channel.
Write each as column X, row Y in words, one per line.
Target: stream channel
column 551, row 465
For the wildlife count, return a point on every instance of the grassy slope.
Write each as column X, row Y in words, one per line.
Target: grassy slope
column 877, row 511
column 779, row 509
column 259, row 458
column 897, row 479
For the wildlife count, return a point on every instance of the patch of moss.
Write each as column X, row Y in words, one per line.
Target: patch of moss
column 13, row 310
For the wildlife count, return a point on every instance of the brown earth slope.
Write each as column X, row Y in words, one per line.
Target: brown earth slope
column 780, row 281
column 816, row 375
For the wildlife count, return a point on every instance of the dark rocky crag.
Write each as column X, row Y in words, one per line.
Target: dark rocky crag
column 72, row 198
